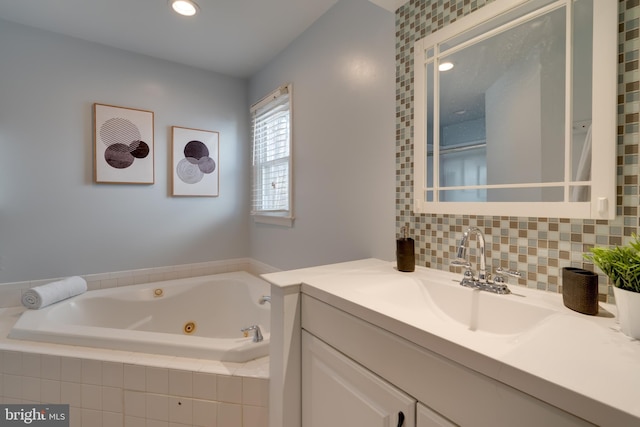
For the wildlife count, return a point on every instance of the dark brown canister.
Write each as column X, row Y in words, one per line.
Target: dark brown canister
column 405, row 255
column 405, row 252
column 580, row 290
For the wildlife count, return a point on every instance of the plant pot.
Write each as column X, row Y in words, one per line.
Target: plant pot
column 628, row 304
column 580, row 290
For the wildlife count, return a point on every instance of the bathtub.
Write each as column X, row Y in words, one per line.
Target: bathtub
column 199, row 317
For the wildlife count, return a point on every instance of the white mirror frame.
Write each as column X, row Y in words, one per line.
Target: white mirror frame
column 603, row 164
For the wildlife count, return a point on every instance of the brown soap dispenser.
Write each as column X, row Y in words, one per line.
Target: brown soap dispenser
column 405, row 251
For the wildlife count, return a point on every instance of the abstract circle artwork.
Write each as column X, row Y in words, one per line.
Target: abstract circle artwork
column 195, row 162
column 123, row 145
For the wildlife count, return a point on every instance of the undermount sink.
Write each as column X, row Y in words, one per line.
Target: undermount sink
column 444, row 300
column 483, row 311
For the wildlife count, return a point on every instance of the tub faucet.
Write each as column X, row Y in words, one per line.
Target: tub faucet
column 257, row 333
column 264, row 298
column 483, row 282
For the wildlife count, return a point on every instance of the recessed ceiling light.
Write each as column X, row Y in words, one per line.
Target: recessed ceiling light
column 445, row 66
column 184, row 7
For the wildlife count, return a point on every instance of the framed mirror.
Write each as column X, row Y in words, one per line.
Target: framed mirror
column 515, row 111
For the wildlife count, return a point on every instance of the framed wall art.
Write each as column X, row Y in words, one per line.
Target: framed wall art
column 123, row 145
column 194, row 162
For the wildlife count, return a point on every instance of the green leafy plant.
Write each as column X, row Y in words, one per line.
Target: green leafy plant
column 620, row 263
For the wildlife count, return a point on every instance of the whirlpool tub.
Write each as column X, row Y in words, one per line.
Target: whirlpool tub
column 198, row 317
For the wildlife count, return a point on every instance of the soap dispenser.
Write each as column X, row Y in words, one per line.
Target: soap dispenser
column 405, row 251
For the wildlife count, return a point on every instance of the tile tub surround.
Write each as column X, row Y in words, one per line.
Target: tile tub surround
column 111, row 388
column 537, row 247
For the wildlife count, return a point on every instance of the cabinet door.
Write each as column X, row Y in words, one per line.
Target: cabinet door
column 426, row 417
column 338, row 392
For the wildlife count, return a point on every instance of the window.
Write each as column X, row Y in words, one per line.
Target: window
column 271, row 147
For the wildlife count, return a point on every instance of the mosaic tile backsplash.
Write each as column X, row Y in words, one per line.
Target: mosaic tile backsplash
column 537, row 247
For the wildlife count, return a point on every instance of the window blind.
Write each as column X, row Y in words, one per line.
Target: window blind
column 271, row 140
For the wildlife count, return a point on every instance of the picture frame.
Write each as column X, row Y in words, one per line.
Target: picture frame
column 123, row 145
column 194, row 162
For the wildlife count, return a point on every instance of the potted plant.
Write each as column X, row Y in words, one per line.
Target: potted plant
column 622, row 265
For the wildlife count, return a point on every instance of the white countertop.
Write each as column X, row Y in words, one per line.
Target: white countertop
column 582, row 364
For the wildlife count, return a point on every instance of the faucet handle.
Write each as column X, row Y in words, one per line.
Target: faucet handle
column 511, row 273
column 461, row 262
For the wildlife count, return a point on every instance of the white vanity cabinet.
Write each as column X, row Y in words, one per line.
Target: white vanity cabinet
column 425, row 417
column 355, row 373
column 338, row 392
column 377, row 340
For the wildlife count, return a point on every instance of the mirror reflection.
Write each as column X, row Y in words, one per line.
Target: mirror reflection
column 508, row 108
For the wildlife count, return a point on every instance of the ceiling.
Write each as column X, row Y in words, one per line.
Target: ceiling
column 232, row 37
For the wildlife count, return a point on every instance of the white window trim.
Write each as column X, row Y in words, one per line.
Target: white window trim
column 279, row 218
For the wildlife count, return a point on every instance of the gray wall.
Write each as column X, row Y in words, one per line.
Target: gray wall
column 54, row 221
column 343, row 74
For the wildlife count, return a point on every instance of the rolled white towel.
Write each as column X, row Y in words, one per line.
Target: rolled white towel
column 42, row 296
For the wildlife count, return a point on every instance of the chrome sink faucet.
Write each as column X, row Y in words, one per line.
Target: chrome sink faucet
column 483, row 282
column 461, row 254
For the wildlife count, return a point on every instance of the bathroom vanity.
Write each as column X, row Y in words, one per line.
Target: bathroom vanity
column 360, row 343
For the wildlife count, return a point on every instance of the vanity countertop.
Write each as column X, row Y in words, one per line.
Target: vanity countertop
column 582, row 364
